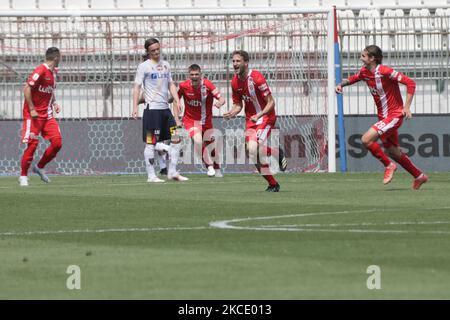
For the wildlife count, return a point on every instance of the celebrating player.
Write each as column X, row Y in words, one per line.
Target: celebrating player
column 383, row 84
column 38, row 116
column 251, row 86
column 155, row 78
column 198, row 94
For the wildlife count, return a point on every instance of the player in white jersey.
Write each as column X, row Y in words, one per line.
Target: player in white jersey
column 154, row 78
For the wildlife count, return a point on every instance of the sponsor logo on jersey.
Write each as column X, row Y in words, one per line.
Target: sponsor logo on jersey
column 246, row 98
column 155, row 76
column 374, row 91
column 35, row 76
column 194, row 103
column 263, row 87
column 48, row 89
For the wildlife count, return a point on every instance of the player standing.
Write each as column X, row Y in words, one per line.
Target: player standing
column 251, row 86
column 38, row 116
column 383, row 84
column 154, row 77
column 198, row 94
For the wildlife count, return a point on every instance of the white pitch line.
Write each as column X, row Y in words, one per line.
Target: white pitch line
column 30, row 233
column 228, row 224
column 357, row 224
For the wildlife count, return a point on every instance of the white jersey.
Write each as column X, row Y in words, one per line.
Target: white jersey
column 154, row 79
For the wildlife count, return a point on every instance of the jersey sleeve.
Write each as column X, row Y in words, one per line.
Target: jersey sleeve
column 355, row 78
column 261, row 84
column 139, row 78
column 212, row 88
column 401, row 78
column 36, row 76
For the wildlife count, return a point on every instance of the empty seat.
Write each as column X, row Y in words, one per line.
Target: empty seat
column 180, row 3
column 256, row 3
column 50, row 4
column 442, row 19
column 231, row 3
column 281, row 3
column 205, row 3
column 369, row 20
column 419, row 20
column 5, row 5
column 77, row 4
column 23, row 4
column 154, row 4
column 129, row 4
column 103, row 4
column 393, row 20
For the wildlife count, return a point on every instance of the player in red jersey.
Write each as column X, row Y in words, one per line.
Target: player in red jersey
column 198, row 94
column 250, row 86
column 383, row 84
column 38, row 116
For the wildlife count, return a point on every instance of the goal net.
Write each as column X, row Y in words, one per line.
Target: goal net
column 100, row 55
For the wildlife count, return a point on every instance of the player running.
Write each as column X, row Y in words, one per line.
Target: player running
column 383, row 84
column 250, row 86
column 38, row 116
column 198, row 94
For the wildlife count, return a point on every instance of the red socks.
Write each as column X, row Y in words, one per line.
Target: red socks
column 27, row 157
column 378, row 153
column 406, row 163
column 50, row 152
column 264, row 168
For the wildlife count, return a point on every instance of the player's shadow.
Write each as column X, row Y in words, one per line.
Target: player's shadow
column 396, row 189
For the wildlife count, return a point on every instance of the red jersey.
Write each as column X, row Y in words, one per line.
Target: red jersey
column 198, row 101
column 383, row 85
column 42, row 83
column 253, row 90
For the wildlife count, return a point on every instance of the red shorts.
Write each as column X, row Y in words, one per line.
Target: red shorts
column 195, row 126
column 259, row 132
column 47, row 128
column 387, row 129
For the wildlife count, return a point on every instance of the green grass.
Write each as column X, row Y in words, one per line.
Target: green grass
column 405, row 232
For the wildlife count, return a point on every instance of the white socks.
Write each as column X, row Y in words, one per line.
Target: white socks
column 160, row 146
column 174, row 153
column 149, row 156
column 162, row 149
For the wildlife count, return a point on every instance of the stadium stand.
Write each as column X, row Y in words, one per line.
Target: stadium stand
column 137, row 4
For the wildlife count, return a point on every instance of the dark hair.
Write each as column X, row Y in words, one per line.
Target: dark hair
column 149, row 42
column 375, row 51
column 194, row 67
column 243, row 54
column 52, row 53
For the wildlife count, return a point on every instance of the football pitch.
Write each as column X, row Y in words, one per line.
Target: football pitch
column 212, row 238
